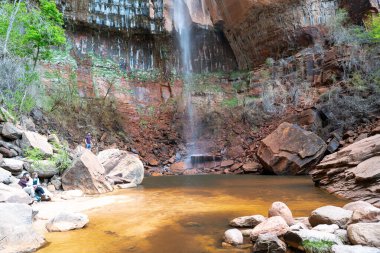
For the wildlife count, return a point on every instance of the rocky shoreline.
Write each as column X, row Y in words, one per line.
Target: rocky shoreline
column 353, row 228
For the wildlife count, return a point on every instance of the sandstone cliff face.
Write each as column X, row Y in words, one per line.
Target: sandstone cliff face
column 257, row 30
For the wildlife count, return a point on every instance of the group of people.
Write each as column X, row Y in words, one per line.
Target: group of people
column 33, row 187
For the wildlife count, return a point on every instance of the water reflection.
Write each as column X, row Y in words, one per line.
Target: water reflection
column 185, row 214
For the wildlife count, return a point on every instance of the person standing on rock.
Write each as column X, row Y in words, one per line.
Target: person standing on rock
column 88, row 141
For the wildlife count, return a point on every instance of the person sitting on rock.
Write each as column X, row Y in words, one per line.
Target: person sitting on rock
column 27, row 184
column 88, row 141
column 39, row 191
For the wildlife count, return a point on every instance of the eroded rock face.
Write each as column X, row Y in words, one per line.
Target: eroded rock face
column 121, row 164
column 352, row 172
column 290, row 150
column 86, row 174
column 257, row 30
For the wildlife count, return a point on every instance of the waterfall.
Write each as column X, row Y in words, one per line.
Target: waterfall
column 183, row 26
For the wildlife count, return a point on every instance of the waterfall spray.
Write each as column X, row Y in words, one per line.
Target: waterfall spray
column 183, row 23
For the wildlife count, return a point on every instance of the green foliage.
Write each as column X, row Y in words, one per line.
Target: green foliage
column 35, row 28
column 374, row 28
column 231, row 103
column 322, row 246
column 151, row 75
column 61, row 158
column 34, row 154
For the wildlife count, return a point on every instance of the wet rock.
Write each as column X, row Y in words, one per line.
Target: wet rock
column 295, row 239
column 178, row 168
column 9, row 194
column 247, row 221
column 65, row 221
column 17, row 233
column 326, row 228
column 252, row 167
column 330, row 215
column 86, row 174
column 274, row 225
column 354, row 249
column 12, row 165
column 269, row 243
column 233, row 236
column 11, row 132
column 281, row 209
column 290, row 150
column 35, row 140
column 366, row 234
column 44, row 168
column 118, row 163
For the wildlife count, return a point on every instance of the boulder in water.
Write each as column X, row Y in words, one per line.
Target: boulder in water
column 65, row 221
column 290, row 150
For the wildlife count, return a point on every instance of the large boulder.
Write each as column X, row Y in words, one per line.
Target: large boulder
column 330, row 215
column 281, row 209
column 11, row 132
column 353, row 249
column 353, row 171
column 12, row 165
column 366, row 234
column 233, row 236
column 269, row 243
column 16, row 231
column 296, row 238
column 65, row 221
column 86, row 174
column 118, row 163
column 9, row 194
column 247, row 221
column 35, row 140
column 274, row 225
column 5, row 176
column 44, row 168
column 290, row 150
column 363, row 212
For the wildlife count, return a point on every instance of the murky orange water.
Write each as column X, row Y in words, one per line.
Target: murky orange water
column 186, row 214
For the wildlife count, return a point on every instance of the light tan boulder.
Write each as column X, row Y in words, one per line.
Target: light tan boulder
column 65, row 221
column 86, row 174
column 330, row 215
column 233, row 236
column 9, row 194
column 366, row 234
column 274, row 225
column 281, row 209
column 34, row 140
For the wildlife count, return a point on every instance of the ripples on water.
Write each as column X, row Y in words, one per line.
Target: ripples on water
column 186, row 214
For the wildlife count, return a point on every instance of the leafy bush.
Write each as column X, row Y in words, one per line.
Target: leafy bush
column 322, row 246
column 61, row 158
column 233, row 102
column 34, row 154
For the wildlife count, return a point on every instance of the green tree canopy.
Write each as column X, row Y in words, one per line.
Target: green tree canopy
column 35, row 29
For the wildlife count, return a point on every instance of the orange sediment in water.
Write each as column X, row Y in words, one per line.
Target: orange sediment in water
column 186, row 214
